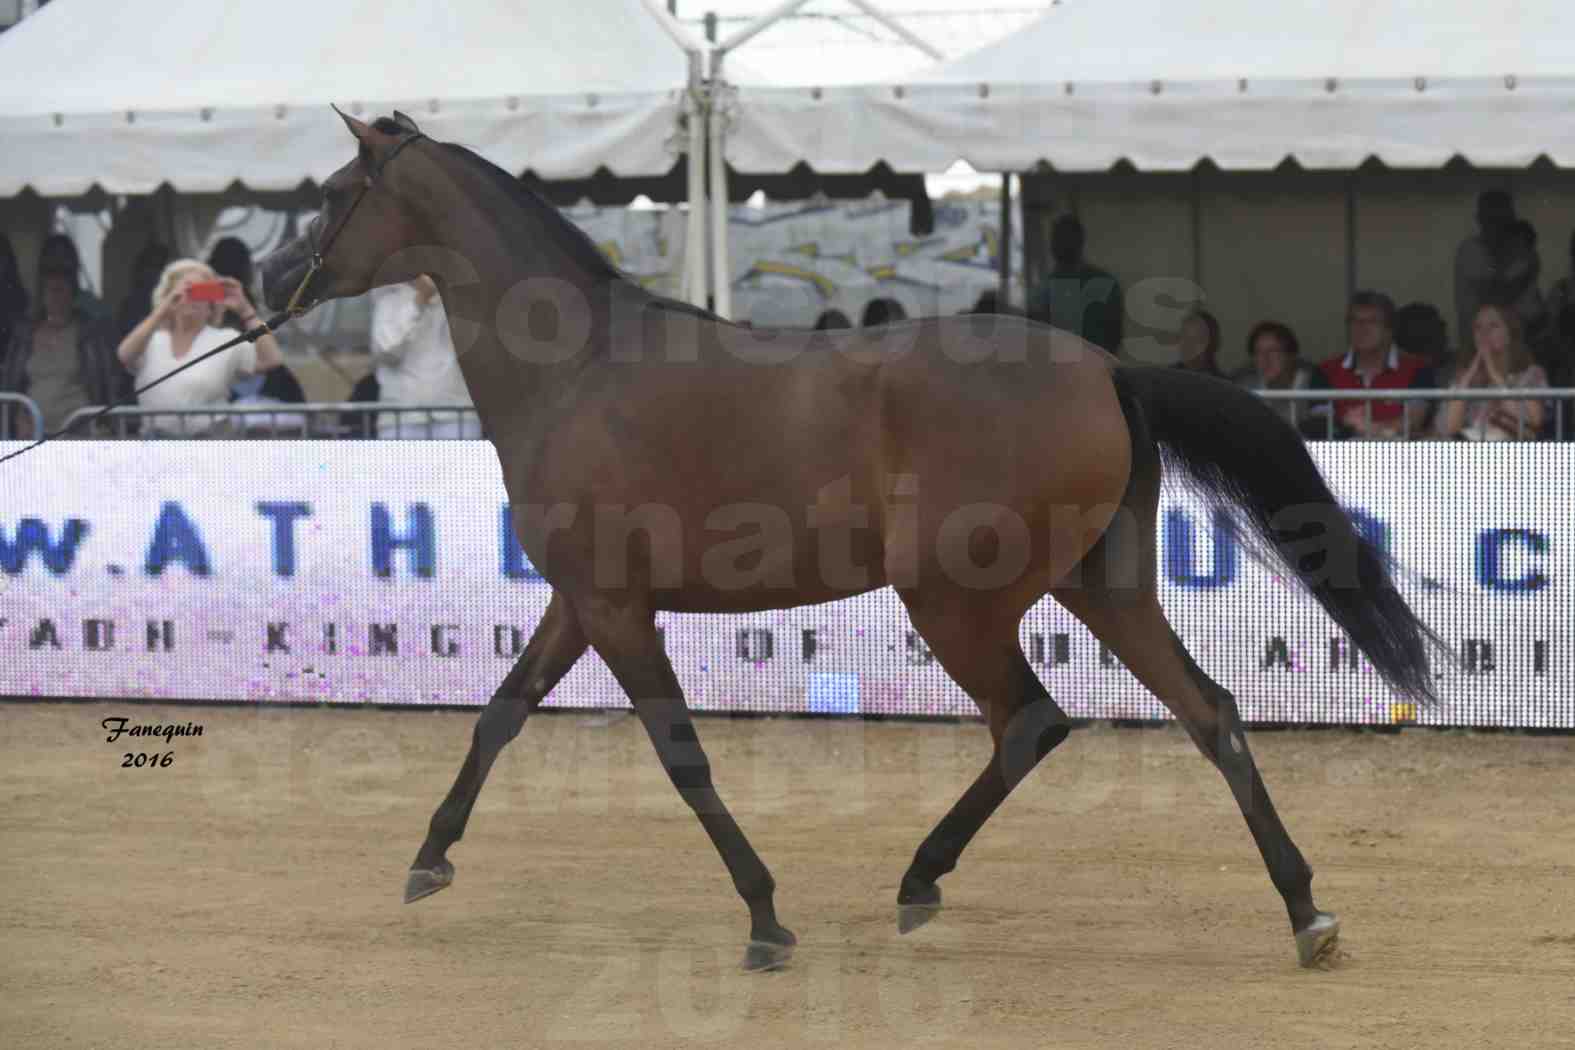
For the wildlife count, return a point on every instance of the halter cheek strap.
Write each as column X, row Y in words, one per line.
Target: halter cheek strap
column 295, row 308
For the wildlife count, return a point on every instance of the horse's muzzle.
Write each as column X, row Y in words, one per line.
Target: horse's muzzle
column 282, row 272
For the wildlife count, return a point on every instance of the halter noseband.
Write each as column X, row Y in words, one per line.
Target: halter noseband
column 294, row 308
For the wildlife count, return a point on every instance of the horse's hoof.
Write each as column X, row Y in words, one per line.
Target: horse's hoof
column 918, row 909
column 760, row 956
column 424, row 882
column 1319, row 943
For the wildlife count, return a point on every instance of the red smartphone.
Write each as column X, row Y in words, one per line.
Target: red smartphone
column 206, row 292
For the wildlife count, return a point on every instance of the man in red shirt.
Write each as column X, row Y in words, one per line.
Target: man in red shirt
column 1374, row 363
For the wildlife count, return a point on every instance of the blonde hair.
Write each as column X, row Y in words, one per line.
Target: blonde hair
column 1519, row 355
column 170, row 276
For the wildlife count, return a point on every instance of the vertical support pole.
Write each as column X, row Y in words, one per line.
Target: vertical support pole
column 695, row 267
column 1350, row 236
column 1197, row 231
column 716, row 159
column 1004, row 249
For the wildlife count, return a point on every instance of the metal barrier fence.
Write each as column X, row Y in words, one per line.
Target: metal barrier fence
column 13, row 406
column 332, row 419
column 1314, row 412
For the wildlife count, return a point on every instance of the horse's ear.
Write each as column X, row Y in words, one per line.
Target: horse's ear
column 362, row 131
column 406, row 123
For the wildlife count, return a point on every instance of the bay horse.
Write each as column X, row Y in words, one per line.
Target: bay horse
column 657, row 457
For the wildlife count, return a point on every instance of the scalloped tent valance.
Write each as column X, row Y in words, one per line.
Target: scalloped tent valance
column 128, row 95
column 1165, row 86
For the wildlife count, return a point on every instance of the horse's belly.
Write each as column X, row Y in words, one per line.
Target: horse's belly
column 760, row 564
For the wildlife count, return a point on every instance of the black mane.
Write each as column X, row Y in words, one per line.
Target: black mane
column 570, row 238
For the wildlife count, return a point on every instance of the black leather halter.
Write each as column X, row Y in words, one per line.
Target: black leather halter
column 295, row 308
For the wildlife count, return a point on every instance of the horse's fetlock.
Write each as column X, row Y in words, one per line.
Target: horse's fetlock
column 759, row 888
column 445, row 827
column 932, row 860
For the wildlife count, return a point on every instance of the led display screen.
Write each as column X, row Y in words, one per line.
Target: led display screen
column 386, row 572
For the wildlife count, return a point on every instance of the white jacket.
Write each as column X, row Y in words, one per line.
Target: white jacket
column 413, row 351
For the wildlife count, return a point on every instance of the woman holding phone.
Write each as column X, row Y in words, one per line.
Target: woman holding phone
column 188, row 304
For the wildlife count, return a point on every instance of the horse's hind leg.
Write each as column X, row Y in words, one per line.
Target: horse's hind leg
column 978, row 648
column 1145, row 642
column 1115, row 591
column 554, row 647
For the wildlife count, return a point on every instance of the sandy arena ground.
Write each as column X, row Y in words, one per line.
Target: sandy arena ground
column 248, row 895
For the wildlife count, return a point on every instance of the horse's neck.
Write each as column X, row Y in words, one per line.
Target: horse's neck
column 511, row 373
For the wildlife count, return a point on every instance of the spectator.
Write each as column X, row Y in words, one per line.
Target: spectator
column 1277, row 365
column 413, row 354
column 832, row 319
column 277, row 386
column 60, row 253
column 280, row 385
column 1477, row 260
column 1520, row 271
column 1375, row 363
column 1501, row 360
column 1420, row 329
column 145, row 270
column 13, row 295
column 231, row 258
column 360, row 424
column 989, row 303
column 1561, row 295
column 60, row 356
column 1076, row 296
column 1561, row 352
column 1199, row 343
column 1563, row 291
column 181, row 329
column 882, row 311
column 1561, row 371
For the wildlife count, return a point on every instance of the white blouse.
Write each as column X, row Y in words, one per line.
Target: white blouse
column 204, row 385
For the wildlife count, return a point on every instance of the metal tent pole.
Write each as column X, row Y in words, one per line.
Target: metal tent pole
column 716, row 158
column 695, row 111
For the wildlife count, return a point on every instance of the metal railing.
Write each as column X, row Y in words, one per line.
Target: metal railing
column 1312, row 411
column 330, row 419
column 13, row 406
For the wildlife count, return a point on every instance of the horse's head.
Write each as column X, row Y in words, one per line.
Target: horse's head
column 364, row 225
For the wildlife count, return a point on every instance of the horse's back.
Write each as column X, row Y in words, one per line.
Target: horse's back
column 776, row 461
column 1010, row 395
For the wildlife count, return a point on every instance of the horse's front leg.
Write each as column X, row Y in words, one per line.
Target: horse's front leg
column 625, row 636
column 553, row 649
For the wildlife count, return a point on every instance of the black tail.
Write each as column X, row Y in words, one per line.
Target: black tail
column 1236, row 453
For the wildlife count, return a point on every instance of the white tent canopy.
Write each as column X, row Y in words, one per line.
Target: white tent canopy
column 128, row 95
column 1164, row 85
